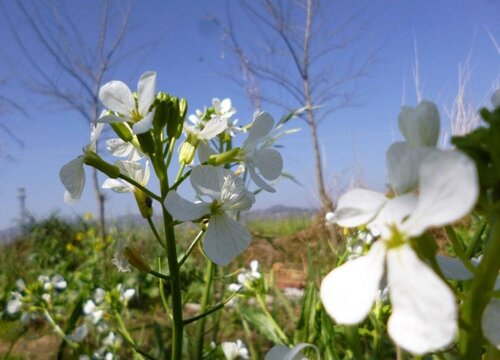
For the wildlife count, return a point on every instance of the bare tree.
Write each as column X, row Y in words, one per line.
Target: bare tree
column 8, row 106
column 75, row 59
column 299, row 48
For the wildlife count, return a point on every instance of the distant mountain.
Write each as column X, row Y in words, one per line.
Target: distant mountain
column 278, row 212
column 9, row 235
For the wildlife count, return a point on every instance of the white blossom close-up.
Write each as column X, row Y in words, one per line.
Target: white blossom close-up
column 222, row 193
column 424, row 310
column 118, row 97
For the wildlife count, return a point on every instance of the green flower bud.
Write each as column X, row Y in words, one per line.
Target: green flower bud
column 162, row 112
column 188, row 150
column 224, row 158
column 94, row 160
column 144, row 202
column 174, row 127
column 147, row 143
column 123, row 131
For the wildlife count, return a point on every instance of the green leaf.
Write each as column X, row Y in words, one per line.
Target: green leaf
column 262, row 324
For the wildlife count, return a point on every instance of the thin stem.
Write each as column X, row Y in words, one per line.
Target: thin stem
column 480, row 291
column 179, row 173
column 209, row 274
column 180, row 180
column 140, row 187
column 476, row 238
column 277, row 328
column 170, row 151
column 160, row 275
column 155, row 232
column 191, row 247
column 57, row 329
column 163, row 296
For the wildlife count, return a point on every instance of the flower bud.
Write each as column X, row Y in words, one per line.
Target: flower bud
column 188, row 150
column 122, row 130
column 94, row 160
column 135, row 259
column 174, row 127
column 147, row 143
column 162, row 112
column 224, row 158
column 144, row 202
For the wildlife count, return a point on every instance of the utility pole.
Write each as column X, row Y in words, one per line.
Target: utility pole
column 21, row 195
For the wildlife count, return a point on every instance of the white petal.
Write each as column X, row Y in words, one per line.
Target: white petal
column 258, row 180
column 204, row 151
column 281, row 352
column 424, row 311
column 213, row 127
column 269, row 162
column 183, row 210
column 118, row 147
column 348, row 291
column 234, row 195
column 132, row 169
column 79, row 333
column 453, row 268
column 225, row 107
column 146, row 91
column 208, row 180
column 72, row 176
column 95, row 132
column 491, row 322
column 119, row 186
column 357, row 207
column 420, row 126
column 145, row 124
column 116, row 96
column 448, row 191
column 392, row 214
column 403, row 162
column 261, row 126
column 225, row 239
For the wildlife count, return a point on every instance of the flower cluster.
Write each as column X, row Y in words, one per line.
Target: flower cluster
column 429, row 188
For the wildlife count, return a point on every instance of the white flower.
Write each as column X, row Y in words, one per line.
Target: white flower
column 117, row 97
column 72, row 175
column 234, row 350
column 282, row 352
column 420, row 126
column 495, row 99
column 92, row 311
column 257, row 155
column 119, row 148
column 225, row 237
column 424, row 312
column 112, row 340
column 133, row 170
column 198, row 137
column 15, row 304
column 223, row 108
column 125, row 294
column 246, row 277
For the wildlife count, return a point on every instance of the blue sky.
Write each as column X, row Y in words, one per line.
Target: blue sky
column 187, row 57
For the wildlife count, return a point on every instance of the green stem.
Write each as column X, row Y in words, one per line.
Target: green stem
column 170, row 150
column 155, row 232
column 277, row 328
column 57, row 329
column 140, row 187
column 179, row 173
column 352, row 334
column 209, row 274
column 180, row 180
column 163, row 296
column 471, row 336
column 191, row 247
column 476, row 238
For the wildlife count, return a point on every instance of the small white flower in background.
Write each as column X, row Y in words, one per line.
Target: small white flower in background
column 119, row 148
column 198, row 138
column 112, row 340
column 133, row 170
column 495, row 99
column 20, row 284
column 223, row 108
column 246, row 277
column 72, row 175
column 92, row 312
column 79, row 333
column 257, row 155
column 117, row 97
column 99, row 295
column 125, row 294
column 15, row 304
column 282, row 352
column 424, row 310
column 225, row 237
column 234, row 350
column 420, row 125
column 56, row 282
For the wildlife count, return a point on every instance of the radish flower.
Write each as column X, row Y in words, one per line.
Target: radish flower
column 133, row 170
column 258, row 155
column 420, row 125
column 424, row 311
column 117, row 97
column 222, row 192
column 72, row 175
